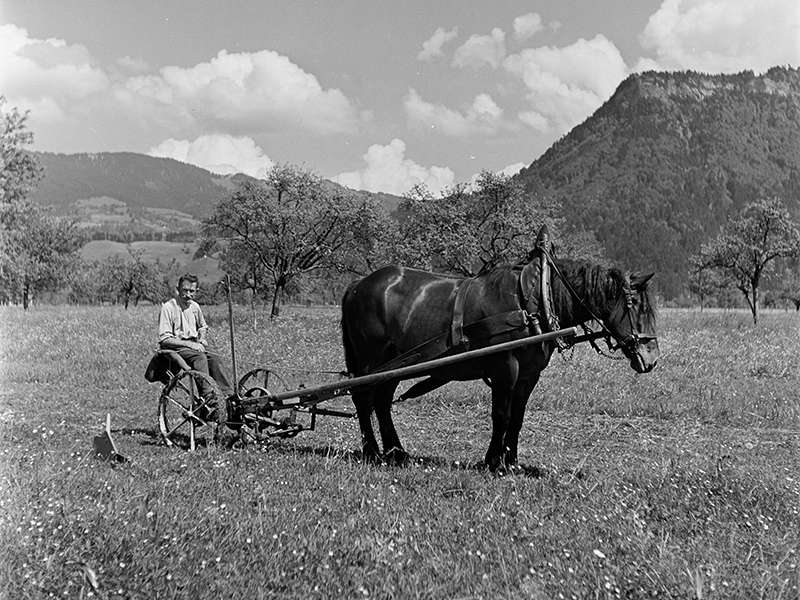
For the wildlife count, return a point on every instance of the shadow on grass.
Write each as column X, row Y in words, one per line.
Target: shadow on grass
column 356, row 456
column 153, row 438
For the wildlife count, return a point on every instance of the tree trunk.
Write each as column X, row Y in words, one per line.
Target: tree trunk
column 754, row 306
column 26, row 294
column 277, row 299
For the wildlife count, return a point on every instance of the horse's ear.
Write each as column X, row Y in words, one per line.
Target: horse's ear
column 640, row 281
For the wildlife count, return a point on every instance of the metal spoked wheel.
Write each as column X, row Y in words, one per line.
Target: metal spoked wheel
column 258, row 381
column 183, row 412
column 255, row 387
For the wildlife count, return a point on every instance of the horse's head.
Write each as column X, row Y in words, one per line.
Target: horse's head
column 632, row 322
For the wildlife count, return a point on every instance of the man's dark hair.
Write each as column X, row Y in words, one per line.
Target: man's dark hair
column 190, row 277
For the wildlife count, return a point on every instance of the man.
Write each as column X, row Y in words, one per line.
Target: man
column 182, row 328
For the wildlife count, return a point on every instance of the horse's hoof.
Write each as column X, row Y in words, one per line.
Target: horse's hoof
column 496, row 467
column 371, row 457
column 396, row 457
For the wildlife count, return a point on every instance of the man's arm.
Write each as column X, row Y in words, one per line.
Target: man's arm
column 174, row 343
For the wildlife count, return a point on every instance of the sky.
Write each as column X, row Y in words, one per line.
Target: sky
column 375, row 94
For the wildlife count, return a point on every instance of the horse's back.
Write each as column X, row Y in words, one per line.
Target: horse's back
column 392, row 310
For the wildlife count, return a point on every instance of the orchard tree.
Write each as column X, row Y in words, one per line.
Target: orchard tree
column 20, row 172
column 131, row 278
column 36, row 247
column 42, row 249
column 747, row 248
column 468, row 230
column 292, row 223
column 706, row 283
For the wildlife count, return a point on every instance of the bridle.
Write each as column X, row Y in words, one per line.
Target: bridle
column 628, row 343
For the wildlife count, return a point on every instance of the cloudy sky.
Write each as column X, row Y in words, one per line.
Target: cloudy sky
column 376, row 94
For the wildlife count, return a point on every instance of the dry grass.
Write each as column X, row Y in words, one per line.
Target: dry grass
column 681, row 483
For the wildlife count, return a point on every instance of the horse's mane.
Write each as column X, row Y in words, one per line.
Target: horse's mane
column 598, row 285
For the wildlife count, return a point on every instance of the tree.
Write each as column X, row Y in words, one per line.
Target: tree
column 19, row 169
column 131, row 278
column 292, row 223
column 41, row 250
column 465, row 231
column 246, row 272
column 706, row 283
column 36, row 247
column 748, row 247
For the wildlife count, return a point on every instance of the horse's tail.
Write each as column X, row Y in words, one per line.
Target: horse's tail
column 349, row 351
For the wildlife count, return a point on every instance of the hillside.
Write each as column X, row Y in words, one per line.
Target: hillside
column 662, row 165
column 138, row 180
column 135, row 196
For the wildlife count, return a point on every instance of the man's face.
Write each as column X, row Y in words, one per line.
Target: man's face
column 186, row 291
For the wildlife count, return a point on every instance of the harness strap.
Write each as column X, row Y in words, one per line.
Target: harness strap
column 495, row 329
column 457, row 336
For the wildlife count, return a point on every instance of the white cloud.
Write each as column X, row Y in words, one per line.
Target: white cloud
column 247, row 91
column 480, row 50
column 528, row 25
column 388, row 170
column 565, row 85
column 482, row 116
column 218, row 153
column 133, row 64
column 432, row 47
column 714, row 36
column 46, row 76
column 512, row 169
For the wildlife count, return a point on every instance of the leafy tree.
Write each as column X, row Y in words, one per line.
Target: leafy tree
column 292, row 223
column 749, row 245
column 466, row 231
column 36, row 248
column 131, row 278
column 19, row 169
column 707, row 283
column 41, row 247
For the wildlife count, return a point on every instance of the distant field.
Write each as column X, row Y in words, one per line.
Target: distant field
column 682, row 483
column 164, row 251
column 182, row 252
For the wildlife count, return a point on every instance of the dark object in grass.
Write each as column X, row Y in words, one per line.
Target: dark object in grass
column 397, row 316
column 105, row 447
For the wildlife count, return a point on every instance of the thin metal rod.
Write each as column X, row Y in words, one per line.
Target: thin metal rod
column 233, row 343
column 412, row 371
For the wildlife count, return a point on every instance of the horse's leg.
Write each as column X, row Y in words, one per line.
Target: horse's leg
column 365, row 409
column 504, row 379
column 519, row 401
column 392, row 448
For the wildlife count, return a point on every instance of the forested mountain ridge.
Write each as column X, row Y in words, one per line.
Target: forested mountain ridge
column 138, row 180
column 664, row 163
column 125, row 195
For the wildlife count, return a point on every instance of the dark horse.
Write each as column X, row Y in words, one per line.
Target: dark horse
column 391, row 312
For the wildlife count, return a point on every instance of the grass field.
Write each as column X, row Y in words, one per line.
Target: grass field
column 682, row 483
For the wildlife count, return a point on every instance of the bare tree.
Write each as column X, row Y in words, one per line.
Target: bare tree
column 749, row 245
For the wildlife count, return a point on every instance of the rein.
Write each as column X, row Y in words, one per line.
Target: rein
column 629, row 342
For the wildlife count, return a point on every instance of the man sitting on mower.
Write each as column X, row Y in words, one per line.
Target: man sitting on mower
column 182, row 328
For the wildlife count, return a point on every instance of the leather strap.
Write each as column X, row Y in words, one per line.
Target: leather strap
column 457, row 336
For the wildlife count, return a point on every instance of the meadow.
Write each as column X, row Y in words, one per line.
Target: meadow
column 681, row 483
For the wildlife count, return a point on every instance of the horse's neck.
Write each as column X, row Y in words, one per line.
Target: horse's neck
column 586, row 280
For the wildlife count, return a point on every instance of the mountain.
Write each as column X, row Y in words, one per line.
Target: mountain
column 669, row 158
column 126, row 195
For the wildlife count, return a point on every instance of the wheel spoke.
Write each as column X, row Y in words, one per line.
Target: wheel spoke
column 178, row 426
